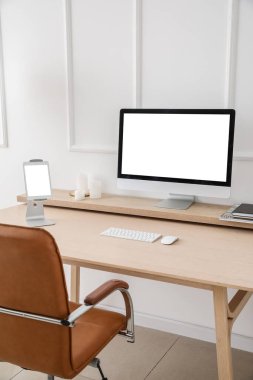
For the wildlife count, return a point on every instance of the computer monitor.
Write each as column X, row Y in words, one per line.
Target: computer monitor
column 38, row 189
column 185, row 152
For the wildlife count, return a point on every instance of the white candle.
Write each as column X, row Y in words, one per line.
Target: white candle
column 95, row 187
column 82, row 183
column 79, row 195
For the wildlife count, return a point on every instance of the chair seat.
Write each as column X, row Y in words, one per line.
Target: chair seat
column 92, row 332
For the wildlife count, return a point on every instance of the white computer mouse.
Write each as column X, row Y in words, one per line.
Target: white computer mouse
column 169, row 239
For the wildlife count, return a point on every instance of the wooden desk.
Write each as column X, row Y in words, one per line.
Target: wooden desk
column 206, row 256
column 112, row 203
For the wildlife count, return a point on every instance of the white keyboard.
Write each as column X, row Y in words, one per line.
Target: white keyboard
column 149, row 237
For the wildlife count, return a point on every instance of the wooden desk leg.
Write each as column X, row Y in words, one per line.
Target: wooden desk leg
column 223, row 334
column 75, row 283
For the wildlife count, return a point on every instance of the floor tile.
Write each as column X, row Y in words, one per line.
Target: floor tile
column 127, row 361
column 31, row 375
column 195, row 359
column 187, row 359
column 8, row 370
column 243, row 365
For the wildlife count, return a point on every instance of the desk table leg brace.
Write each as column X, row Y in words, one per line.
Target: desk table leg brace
column 75, row 283
column 225, row 315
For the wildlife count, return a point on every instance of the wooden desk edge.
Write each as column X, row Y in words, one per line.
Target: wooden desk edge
column 144, row 207
column 184, row 281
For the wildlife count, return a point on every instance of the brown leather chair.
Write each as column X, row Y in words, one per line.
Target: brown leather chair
column 39, row 328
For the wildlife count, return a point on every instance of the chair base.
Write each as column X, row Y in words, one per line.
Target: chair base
column 94, row 363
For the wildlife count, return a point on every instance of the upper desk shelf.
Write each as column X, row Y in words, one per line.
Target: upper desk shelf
column 118, row 204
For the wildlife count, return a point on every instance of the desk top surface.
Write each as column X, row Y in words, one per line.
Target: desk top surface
column 204, row 255
column 197, row 213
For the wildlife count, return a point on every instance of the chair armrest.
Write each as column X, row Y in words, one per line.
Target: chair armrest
column 98, row 295
column 104, row 291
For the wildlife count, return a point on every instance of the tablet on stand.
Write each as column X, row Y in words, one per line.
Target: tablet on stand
column 38, row 189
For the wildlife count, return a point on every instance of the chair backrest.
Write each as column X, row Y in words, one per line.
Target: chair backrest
column 32, row 280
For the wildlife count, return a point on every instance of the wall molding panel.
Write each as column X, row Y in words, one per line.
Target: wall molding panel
column 138, row 54
column 3, row 120
column 69, row 76
column 231, row 53
column 73, row 143
column 243, row 156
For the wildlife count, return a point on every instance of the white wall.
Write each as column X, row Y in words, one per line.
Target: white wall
column 124, row 53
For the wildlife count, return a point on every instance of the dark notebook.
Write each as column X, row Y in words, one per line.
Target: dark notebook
column 245, row 210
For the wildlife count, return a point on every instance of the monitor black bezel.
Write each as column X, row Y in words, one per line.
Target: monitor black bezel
column 230, row 112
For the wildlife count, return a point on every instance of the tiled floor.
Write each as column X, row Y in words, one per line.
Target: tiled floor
column 155, row 356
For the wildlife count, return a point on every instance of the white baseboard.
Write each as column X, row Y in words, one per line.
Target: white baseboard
column 185, row 329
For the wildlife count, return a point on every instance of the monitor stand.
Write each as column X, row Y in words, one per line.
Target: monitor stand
column 35, row 214
column 178, row 202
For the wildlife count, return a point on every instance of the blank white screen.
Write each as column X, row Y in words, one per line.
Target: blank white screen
column 187, row 146
column 37, row 180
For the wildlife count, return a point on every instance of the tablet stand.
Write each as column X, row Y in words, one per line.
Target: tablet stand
column 35, row 214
